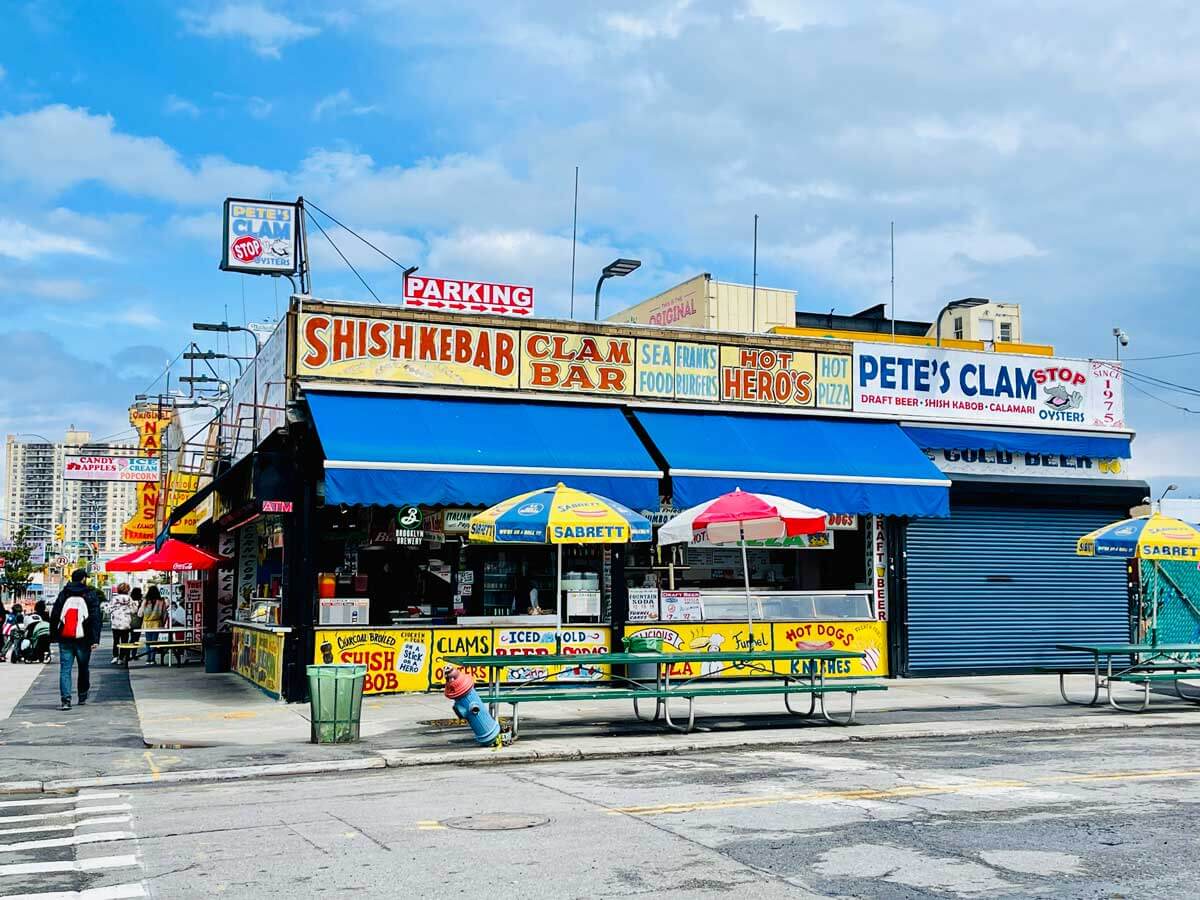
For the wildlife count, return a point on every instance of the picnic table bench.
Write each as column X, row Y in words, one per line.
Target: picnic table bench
column 809, row 680
column 156, row 646
column 1145, row 665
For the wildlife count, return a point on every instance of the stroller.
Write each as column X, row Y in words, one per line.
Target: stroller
column 30, row 641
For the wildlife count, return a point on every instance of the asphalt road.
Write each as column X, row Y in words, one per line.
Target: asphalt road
column 1101, row 815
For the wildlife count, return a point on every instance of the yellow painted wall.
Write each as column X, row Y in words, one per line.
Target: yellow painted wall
column 838, row 334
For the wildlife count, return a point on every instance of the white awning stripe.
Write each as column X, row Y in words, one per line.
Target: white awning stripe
column 802, row 476
column 468, row 468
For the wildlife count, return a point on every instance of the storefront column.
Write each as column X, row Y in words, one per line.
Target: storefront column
column 300, row 588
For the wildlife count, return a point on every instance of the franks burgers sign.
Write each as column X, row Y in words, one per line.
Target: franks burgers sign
column 452, row 295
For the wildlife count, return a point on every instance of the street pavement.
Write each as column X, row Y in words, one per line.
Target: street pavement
column 1072, row 816
column 69, row 845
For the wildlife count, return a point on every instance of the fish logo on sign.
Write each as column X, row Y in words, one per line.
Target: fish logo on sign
column 530, row 509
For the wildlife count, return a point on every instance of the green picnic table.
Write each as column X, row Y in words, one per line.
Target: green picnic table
column 806, row 676
column 1145, row 665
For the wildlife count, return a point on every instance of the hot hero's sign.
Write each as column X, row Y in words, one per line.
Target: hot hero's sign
column 354, row 348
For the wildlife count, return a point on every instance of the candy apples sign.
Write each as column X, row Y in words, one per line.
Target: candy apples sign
column 453, row 295
column 260, row 237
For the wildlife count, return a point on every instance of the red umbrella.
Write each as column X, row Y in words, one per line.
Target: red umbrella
column 177, row 556
column 134, row 561
column 739, row 517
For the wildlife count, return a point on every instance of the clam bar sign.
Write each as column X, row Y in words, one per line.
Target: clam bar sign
column 343, row 347
column 928, row 383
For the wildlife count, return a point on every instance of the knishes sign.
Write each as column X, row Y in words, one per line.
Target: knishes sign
column 927, row 383
column 453, row 295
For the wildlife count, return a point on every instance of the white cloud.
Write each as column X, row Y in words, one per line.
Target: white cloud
column 178, row 106
column 21, row 241
column 340, row 104
column 67, row 290
column 56, row 147
column 3, row 73
column 254, row 106
column 666, row 22
column 268, row 32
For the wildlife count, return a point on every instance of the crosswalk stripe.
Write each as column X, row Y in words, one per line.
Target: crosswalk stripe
column 80, row 811
column 60, row 801
column 97, row 837
column 111, row 892
column 70, row 865
column 67, row 826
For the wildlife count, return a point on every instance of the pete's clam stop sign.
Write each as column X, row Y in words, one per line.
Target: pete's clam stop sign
column 259, row 237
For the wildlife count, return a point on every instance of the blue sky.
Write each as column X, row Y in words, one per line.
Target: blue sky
column 1042, row 158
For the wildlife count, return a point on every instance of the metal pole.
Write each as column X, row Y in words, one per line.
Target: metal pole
column 596, row 315
column 746, row 577
column 558, row 605
column 574, row 226
column 893, row 253
column 754, row 281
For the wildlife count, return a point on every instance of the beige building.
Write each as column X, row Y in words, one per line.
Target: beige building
column 705, row 303
column 990, row 322
column 37, row 495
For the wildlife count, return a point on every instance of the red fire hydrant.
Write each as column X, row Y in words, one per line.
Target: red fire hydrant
column 460, row 687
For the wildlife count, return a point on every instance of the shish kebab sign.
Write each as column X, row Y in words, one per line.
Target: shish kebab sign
column 454, row 295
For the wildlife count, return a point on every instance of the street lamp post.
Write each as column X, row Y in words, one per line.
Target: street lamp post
column 618, row 268
column 209, row 355
column 965, row 303
column 226, row 328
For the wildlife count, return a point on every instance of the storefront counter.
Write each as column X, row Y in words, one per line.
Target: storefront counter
column 258, row 655
column 869, row 637
column 401, row 659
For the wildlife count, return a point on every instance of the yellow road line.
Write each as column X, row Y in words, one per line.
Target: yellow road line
column 897, row 792
column 430, row 825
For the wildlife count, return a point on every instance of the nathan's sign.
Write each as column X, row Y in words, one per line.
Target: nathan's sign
column 927, row 383
column 367, row 349
column 151, row 423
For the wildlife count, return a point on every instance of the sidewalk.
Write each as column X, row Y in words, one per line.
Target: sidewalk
column 186, row 725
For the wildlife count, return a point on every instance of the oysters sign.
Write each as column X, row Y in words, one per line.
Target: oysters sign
column 927, row 383
column 259, row 237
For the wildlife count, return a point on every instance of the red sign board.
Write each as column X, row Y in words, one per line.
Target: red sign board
column 452, row 295
column 277, row 506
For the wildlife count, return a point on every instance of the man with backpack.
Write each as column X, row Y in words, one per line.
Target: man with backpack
column 75, row 623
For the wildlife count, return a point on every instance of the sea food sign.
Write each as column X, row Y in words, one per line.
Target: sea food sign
column 343, row 347
column 927, row 383
column 259, row 237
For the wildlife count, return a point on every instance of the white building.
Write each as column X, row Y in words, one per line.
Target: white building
column 37, row 495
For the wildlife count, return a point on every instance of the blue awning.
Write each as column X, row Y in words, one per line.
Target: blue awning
column 1094, row 446
column 391, row 451
column 838, row 466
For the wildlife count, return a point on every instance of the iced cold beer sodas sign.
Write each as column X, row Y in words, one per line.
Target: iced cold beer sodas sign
column 926, row 383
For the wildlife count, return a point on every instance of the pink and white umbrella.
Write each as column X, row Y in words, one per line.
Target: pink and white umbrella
column 739, row 517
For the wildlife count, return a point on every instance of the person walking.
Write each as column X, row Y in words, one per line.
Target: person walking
column 75, row 623
column 120, row 616
column 154, row 618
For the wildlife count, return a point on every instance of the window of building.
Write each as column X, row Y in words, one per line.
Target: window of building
column 1006, row 331
column 958, row 328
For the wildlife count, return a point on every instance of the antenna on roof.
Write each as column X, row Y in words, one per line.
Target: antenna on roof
column 754, row 281
column 574, row 225
column 893, row 249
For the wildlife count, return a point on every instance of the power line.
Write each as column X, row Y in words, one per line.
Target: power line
column 386, row 256
column 1160, row 382
column 1164, row 402
column 1165, row 356
column 346, row 261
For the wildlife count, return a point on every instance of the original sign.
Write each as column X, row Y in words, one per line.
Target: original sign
column 260, row 237
column 928, row 383
column 111, row 468
column 359, row 348
column 452, row 295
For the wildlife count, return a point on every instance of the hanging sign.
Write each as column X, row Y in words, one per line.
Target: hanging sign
column 259, row 237
column 453, row 295
column 110, row 468
column 150, row 422
column 929, row 383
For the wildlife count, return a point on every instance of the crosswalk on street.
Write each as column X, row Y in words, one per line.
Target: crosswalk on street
column 70, row 845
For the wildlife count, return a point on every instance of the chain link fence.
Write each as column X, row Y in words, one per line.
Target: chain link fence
column 1176, row 585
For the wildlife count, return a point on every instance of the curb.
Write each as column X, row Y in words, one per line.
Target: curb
column 612, row 748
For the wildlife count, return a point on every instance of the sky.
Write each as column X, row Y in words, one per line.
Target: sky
column 1034, row 155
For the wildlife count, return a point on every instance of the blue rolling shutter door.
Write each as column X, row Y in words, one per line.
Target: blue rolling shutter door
column 995, row 588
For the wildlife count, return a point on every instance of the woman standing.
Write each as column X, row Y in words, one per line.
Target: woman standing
column 154, row 617
column 120, row 616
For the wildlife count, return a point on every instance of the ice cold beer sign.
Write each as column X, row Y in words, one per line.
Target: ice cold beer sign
column 925, row 383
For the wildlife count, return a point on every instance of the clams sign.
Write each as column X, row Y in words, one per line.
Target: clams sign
column 926, row 383
column 259, row 237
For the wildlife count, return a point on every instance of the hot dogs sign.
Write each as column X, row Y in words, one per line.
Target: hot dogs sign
column 346, row 347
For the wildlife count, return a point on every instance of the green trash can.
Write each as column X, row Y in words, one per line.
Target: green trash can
column 335, row 693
